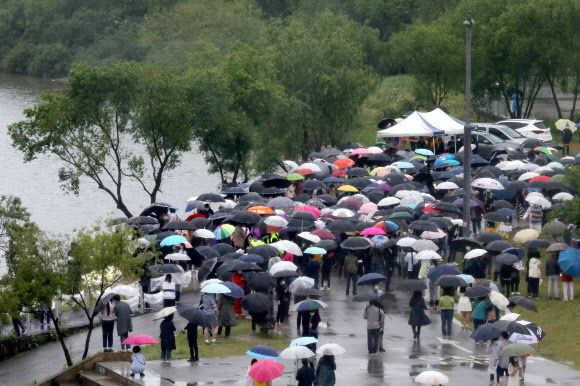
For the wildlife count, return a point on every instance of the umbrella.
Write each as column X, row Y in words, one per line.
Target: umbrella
column 356, row 243
column 499, row 300
column 524, row 302
column 516, row 350
column 487, row 183
column 467, row 278
column 235, row 290
column 424, row 245
column 206, row 234
column 139, row 340
column 215, row 288
column 557, row 247
column 370, row 279
column 423, row 225
column 498, row 246
column 261, row 282
column 450, row 281
column 485, row 332
column 526, row 235
column 287, row 246
column 308, row 292
column 412, row 285
column 283, row 266
column 367, row 297
column 561, row 124
column 266, row 370
column 180, row 225
column 164, row 269
column 206, row 268
column 432, row 377
column 103, row 302
column 477, row 291
column 554, row 227
column 315, row 251
column 309, row 305
column 406, row 242
column 330, row 349
column 266, row 251
column 223, row 249
column 494, row 286
column 569, row 262
column 515, row 251
column 496, row 217
column 488, row 237
column 246, row 218
column 304, row 341
column 297, row 352
column 256, row 302
column 222, row 232
column 309, row 236
column 251, row 258
column 537, row 244
column 507, row 259
column 263, row 352
column 440, row 270
column 323, row 234
column 165, row 312
column 206, row 252
column 474, row 253
column 173, row 240
column 428, row 255
column 192, row 314
column 302, row 282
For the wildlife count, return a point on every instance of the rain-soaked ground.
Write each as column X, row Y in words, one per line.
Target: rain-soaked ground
column 460, row 358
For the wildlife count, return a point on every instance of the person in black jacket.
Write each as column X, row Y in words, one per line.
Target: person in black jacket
column 417, row 317
column 192, row 341
column 167, row 338
column 283, row 295
column 305, row 376
column 553, row 273
column 566, row 139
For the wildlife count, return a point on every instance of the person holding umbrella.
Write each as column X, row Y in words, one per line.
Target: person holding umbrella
column 169, row 291
column 374, row 316
column 226, row 314
column 108, row 325
column 553, row 273
column 124, row 323
column 305, row 376
column 325, row 371
column 351, row 271
column 417, row 316
column 534, row 274
column 284, row 296
column 447, row 303
column 209, row 308
column 503, row 362
column 238, row 278
column 167, row 337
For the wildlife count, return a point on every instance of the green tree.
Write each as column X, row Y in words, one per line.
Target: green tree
column 101, row 117
column 13, row 216
column 433, row 55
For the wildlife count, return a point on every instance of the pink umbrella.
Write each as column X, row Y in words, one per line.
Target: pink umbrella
column 308, row 208
column 323, row 233
column 461, row 149
column 433, row 235
column 360, row 151
column 266, row 370
column 373, row 232
column 369, row 207
column 383, row 173
column 139, row 340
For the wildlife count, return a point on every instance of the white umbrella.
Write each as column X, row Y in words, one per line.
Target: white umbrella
column 290, row 164
column 210, row 281
column 343, row 213
column 544, row 203
column 487, row 183
column 388, row 201
column 544, row 169
column 528, row 176
column 456, row 221
column 177, row 257
column 276, row 221
column 447, row 185
column 204, row 234
column 563, row 196
column 432, row 377
column 301, row 282
column 499, row 300
column 433, row 235
column 427, row 197
column 393, row 168
column 310, row 237
column 424, row 245
column 215, row 288
column 511, row 317
column 311, row 166
column 561, row 124
column 412, row 199
column 474, row 253
column 287, row 246
column 428, row 255
column 283, row 266
column 297, row 352
column 125, row 290
column 511, row 165
column 406, row 242
column 526, row 235
column 404, row 193
column 330, row 349
column 165, row 312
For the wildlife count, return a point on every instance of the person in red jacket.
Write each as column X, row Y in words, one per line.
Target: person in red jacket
column 567, row 285
column 238, row 278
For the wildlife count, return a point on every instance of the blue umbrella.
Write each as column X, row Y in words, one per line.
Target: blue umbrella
column 236, row 290
column 485, row 332
column 443, row 158
column 440, row 270
column 252, row 259
column 370, row 279
column 304, row 341
column 263, row 352
column 405, row 165
column 507, row 212
column 172, row 240
column 215, row 288
column 515, row 251
column 569, row 261
column 424, row 152
column 332, row 180
column 379, row 240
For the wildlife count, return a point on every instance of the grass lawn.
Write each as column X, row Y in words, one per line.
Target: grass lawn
column 240, row 341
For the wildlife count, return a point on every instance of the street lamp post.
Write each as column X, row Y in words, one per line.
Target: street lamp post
column 467, row 131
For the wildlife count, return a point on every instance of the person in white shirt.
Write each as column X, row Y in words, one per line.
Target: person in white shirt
column 168, row 292
column 411, row 260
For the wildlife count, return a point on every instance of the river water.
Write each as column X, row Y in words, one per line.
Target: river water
column 36, row 182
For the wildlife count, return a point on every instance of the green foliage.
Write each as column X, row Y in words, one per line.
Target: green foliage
column 13, row 216
column 571, row 209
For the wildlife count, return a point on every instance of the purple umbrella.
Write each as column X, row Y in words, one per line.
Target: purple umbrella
column 473, row 203
column 386, row 187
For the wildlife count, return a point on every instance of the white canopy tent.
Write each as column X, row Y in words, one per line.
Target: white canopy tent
column 443, row 121
column 412, row 126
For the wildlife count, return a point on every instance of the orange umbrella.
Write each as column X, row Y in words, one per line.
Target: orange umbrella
column 261, row 210
column 344, row 163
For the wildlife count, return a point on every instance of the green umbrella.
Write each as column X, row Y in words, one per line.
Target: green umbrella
column 294, row 177
column 554, row 227
column 401, row 216
column 516, row 350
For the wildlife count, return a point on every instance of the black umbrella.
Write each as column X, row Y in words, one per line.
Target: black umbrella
column 477, row 291
column 355, row 243
column 412, row 285
column 251, row 197
column 379, row 159
column 351, row 145
column 441, row 222
column 312, row 292
column 274, row 180
column 142, row 220
column 207, row 252
column 532, row 143
column 192, row 314
column 395, row 178
column 371, row 279
column 511, row 327
column 450, row 281
column 164, row 269
column 261, row 281
column 311, row 185
column 537, row 244
column 210, row 197
column 507, row 259
column 234, row 191
column 165, row 234
column 239, row 265
column 156, row 209
column 516, row 185
column 501, row 204
column 524, row 302
column 285, row 274
column 228, row 257
column 498, row 246
column 341, row 226
column 327, row 245
column 206, row 268
column 103, row 303
column 246, row 218
column 303, row 215
column 496, row 217
column 485, row 332
column 304, row 197
column 357, row 172
column 266, row 251
column 272, row 192
column 488, row 237
column 461, row 243
column 494, row 286
column 367, row 297
column 447, row 207
column 256, row 302
column 180, row 225
column 298, row 224
column 223, row 248
column 424, row 226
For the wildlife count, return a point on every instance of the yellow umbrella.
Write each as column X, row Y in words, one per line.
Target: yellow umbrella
column 526, row 235
column 375, row 171
column 399, row 120
column 348, row 188
column 419, row 157
column 561, row 124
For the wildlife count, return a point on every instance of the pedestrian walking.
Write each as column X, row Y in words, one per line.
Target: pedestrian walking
column 192, row 342
column 503, row 362
column 464, row 307
column 18, row 324
column 351, row 271
column 325, row 269
column 417, row 316
column 447, row 306
column 209, row 309
column 434, row 290
column 312, row 270
column 108, row 326
column 168, row 291
column 325, row 371
column 513, row 372
column 536, row 216
column 137, row 362
column 124, row 323
column 226, row 314
column 412, row 265
column 305, row 376
column 493, row 351
column 167, row 338
column 478, row 312
column 553, row 273
column 374, row 316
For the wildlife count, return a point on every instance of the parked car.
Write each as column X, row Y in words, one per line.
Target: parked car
column 529, row 128
column 488, row 145
column 501, row 131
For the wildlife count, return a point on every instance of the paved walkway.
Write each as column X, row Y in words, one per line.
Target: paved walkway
column 463, row 361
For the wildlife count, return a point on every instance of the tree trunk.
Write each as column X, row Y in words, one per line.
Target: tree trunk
column 555, row 97
column 88, row 339
column 573, row 110
column 67, row 356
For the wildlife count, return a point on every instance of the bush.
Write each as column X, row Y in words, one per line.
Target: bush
column 51, row 60
column 17, row 59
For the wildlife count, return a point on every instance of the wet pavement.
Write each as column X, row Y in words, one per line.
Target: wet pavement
column 460, row 358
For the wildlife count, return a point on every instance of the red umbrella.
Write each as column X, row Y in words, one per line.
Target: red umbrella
column 304, row 171
column 139, row 340
column 429, row 209
column 323, row 234
column 195, row 215
column 344, row 163
column 338, row 173
column 266, row 370
column 540, row 178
